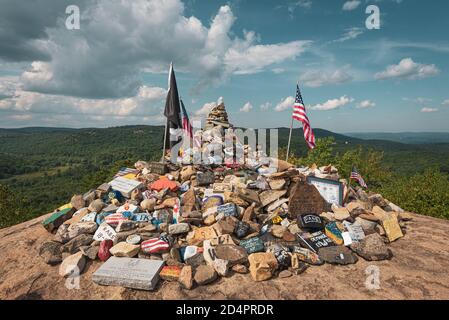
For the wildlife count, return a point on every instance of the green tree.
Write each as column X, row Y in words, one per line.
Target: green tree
column 426, row 193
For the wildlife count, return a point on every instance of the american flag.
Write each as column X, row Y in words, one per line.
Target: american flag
column 299, row 113
column 188, row 130
column 114, row 219
column 154, row 245
column 356, row 176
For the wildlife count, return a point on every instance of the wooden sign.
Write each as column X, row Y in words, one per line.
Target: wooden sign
column 330, row 190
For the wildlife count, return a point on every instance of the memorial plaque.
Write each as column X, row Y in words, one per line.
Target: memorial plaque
column 315, row 241
column 306, row 199
column 330, row 190
column 310, row 222
column 253, row 245
column 125, row 186
column 132, row 273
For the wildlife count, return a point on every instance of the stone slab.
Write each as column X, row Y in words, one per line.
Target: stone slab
column 131, row 273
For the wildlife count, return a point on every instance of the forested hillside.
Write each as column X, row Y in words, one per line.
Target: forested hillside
column 41, row 168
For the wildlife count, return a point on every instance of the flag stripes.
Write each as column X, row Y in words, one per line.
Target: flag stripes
column 299, row 114
column 356, row 176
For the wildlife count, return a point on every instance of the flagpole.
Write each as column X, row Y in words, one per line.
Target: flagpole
column 290, row 135
column 289, row 140
column 165, row 142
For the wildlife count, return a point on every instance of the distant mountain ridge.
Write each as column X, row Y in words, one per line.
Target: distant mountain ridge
column 404, row 137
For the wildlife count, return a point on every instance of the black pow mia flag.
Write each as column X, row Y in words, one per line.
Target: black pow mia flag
column 173, row 132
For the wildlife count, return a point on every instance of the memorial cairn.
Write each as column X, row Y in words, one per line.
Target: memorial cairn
column 196, row 223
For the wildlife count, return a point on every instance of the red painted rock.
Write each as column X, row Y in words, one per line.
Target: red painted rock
column 103, row 252
column 162, row 184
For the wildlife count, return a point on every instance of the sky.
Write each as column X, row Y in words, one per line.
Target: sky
column 113, row 70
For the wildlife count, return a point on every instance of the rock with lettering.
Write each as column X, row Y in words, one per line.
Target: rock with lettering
column 310, row 222
column 306, row 255
column 228, row 210
column 186, row 277
column 105, row 232
column 222, row 239
column 123, row 249
column 50, row 252
column 197, row 236
column 73, row 265
column 204, row 275
column 252, row 245
column 372, row 248
column 262, row 265
column 392, row 228
column 337, row 255
column 234, row 254
column 315, row 241
column 103, row 251
column 306, row 199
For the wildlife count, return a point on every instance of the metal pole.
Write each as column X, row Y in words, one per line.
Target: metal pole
column 165, row 142
column 289, row 140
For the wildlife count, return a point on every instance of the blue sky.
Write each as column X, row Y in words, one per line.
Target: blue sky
column 113, row 70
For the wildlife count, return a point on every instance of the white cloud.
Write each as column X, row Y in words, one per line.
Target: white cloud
column 105, row 58
column 332, row 104
column 318, row 78
column 205, row 109
column 428, row 110
column 147, row 102
column 418, row 100
column 351, row 5
column 265, row 106
column 351, row 33
column 246, row 108
column 278, row 70
column 285, row 104
column 365, row 104
column 408, row 69
column 445, row 102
